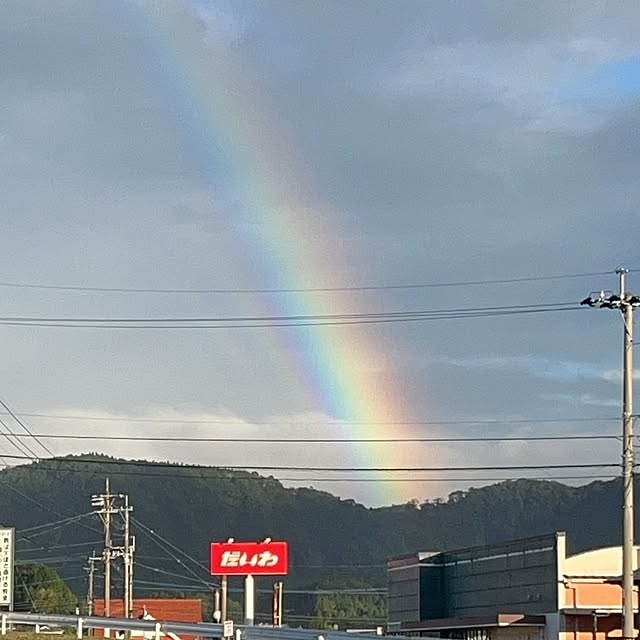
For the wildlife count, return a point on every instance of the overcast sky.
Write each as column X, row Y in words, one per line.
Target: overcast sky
column 274, row 144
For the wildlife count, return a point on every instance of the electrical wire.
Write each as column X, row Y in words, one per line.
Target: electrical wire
column 347, row 469
column 127, row 438
column 40, row 503
column 63, row 578
column 163, row 543
column 170, row 573
column 21, row 447
column 56, row 546
column 229, row 476
column 293, row 565
column 55, row 524
column 24, row 426
column 327, row 289
column 354, row 591
column 461, row 479
column 286, row 318
column 287, row 321
column 373, row 591
column 332, row 422
column 53, row 560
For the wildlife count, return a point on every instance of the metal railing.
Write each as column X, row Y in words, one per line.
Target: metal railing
column 159, row 628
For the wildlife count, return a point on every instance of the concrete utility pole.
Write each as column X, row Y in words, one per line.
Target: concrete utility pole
column 127, row 554
column 90, row 589
column 625, row 303
column 106, row 505
column 107, row 549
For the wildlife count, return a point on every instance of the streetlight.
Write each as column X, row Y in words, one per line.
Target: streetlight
column 624, row 302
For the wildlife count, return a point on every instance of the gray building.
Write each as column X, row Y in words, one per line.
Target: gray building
column 469, row 592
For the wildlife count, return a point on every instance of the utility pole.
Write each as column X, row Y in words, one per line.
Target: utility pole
column 106, row 505
column 127, row 555
column 90, row 589
column 107, row 550
column 624, row 302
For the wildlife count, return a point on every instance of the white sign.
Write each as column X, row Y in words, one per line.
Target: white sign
column 7, row 538
column 227, row 629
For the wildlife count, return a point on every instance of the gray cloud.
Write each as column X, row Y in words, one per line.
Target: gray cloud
column 434, row 142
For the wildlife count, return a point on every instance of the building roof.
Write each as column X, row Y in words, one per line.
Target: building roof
column 174, row 609
column 499, row 620
column 618, row 579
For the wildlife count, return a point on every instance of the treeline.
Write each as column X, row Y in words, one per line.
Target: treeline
column 332, row 540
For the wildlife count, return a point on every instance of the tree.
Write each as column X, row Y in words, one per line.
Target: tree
column 334, row 609
column 40, row 589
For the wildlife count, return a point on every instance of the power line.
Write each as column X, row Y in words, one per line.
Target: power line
column 354, row 591
column 327, row 289
column 284, row 321
column 39, row 503
column 170, row 573
column 294, row 565
column 22, row 448
column 163, row 543
column 460, row 479
column 85, row 436
column 50, row 529
column 331, row 422
column 285, row 318
column 56, row 523
column 24, row 426
column 229, row 476
column 244, row 467
column 56, row 546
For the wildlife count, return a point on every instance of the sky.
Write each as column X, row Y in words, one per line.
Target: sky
column 274, row 158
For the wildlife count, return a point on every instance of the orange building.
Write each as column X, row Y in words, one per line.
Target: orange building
column 590, row 595
column 521, row 590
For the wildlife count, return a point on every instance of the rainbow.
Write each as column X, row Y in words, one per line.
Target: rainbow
column 221, row 104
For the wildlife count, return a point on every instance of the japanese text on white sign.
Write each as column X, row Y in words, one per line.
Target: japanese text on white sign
column 6, row 566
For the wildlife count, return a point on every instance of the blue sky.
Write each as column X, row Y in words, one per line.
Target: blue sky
column 438, row 142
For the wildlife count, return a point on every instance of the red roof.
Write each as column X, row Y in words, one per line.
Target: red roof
column 174, row 609
column 162, row 609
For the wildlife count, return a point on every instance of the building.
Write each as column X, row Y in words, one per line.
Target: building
column 521, row 590
column 161, row 609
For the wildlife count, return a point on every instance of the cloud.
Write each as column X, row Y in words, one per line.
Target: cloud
column 585, row 399
column 221, row 21
column 535, row 365
column 436, row 142
column 192, row 423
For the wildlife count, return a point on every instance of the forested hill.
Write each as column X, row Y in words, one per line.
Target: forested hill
column 329, row 537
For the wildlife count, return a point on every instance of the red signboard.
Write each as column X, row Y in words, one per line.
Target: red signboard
column 249, row 558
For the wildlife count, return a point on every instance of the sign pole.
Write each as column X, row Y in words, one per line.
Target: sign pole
column 223, row 598
column 249, row 601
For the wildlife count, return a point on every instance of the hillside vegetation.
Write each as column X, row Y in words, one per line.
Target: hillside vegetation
column 333, row 541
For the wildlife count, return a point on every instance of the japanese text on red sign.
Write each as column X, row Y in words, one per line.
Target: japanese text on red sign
column 237, row 559
column 246, row 558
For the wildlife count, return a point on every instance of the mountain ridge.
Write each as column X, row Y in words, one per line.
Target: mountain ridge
column 330, row 538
